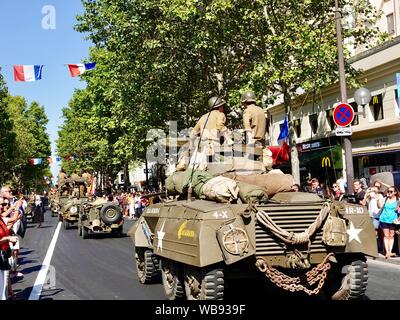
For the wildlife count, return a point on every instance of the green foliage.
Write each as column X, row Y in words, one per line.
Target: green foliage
column 31, row 141
column 7, row 136
column 161, row 60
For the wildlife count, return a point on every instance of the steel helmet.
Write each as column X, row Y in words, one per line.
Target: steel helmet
column 215, row 102
column 248, row 96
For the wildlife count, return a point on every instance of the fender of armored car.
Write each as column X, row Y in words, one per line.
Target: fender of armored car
column 360, row 229
column 193, row 232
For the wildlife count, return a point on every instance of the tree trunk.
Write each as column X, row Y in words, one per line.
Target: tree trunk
column 294, row 156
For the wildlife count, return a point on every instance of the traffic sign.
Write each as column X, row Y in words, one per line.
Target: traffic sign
column 343, row 131
column 343, row 114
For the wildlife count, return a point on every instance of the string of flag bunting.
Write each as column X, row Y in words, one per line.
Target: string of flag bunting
column 30, row 73
column 50, row 160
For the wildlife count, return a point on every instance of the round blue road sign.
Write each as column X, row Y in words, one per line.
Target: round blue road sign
column 343, row 114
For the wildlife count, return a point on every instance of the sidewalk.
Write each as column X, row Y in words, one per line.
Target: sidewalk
column 381, row 257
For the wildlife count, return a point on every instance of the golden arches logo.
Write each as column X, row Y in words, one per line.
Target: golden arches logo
column 375, row 100
column 326, row 162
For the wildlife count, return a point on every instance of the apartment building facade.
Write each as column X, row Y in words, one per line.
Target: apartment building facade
column 376, row 134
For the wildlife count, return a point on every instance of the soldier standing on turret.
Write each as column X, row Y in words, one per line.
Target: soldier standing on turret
column 62, row 175
column 211, row 127
column 254, row 121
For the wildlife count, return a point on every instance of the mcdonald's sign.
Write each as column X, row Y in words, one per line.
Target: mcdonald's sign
column 377, row 99
column 326, row 162
column 365, row 161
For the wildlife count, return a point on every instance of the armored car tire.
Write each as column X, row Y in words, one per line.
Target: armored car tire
column 204, row 283
column 110, row 213
column 172, row 279
column 147, row 266
column 348, row 280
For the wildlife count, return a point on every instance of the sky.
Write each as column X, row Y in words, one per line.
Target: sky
column 31, row 34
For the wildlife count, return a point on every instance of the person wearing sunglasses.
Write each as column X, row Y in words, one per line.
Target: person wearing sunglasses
column 389, row 214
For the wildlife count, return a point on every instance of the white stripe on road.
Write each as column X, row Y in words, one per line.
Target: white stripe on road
column 41, row 278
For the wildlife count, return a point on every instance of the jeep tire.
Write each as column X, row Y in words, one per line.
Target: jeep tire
column 110, row 214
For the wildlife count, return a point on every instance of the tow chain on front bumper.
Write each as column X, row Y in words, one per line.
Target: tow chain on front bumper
column 316, row 275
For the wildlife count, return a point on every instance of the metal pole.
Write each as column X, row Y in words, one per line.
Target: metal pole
column 346, row 141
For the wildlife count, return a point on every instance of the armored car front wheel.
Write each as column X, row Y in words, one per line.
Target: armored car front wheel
column 171, row 273
column 147, row 265
column 204, row 283
column 348, row 280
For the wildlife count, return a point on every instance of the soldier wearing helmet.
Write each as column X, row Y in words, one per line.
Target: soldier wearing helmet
column 211, row 125
column 254, row 120
column 216, row 121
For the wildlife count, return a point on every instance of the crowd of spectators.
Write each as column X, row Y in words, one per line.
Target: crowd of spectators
column 381, row 200
column 12, row 228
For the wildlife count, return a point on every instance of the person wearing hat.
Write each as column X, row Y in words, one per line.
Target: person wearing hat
column 254, row 121
column 211, row 126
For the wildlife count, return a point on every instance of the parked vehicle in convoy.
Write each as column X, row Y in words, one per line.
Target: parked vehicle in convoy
column 72, row 194
column 100, row 216
column 299, row 241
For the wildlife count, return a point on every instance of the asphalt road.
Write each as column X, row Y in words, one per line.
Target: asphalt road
column 102, row 268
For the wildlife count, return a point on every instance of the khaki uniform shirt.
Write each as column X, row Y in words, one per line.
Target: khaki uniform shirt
column 215, row 124
column 254, row 120
column 62, row 176
column 87, row 176
column 75, row 176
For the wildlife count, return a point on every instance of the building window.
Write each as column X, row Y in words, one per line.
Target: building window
column 313, row 118
column 297, row 127
column 377, row 107
column 355, row 108
column 390, row 23
column 329, row 118
column 396, row 98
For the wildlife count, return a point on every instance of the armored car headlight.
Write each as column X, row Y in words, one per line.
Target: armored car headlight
column 73, row 209
column 235, row 241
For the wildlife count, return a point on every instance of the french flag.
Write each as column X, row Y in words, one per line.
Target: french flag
column 27, row 73
column 35, row 161
column 78, row 69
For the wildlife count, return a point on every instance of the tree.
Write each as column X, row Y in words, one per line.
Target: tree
column 7, row 136
column 161, row 60
column 31, row 141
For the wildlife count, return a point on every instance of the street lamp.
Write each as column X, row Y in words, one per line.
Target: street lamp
column 362, row 97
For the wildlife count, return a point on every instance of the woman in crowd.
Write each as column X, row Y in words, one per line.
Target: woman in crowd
column 5, row 240
column 389, row 215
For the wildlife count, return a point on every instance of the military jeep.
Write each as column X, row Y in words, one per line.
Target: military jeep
column 72, row 194
column 297, row 240
column 100, row 216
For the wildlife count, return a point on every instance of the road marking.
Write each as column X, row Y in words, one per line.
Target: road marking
column 41, row 278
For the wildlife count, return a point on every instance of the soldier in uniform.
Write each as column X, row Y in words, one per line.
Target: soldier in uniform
column 254, row 120
column 75, row 176
column 62, row 175
column 87, row 176
column 214, row 130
